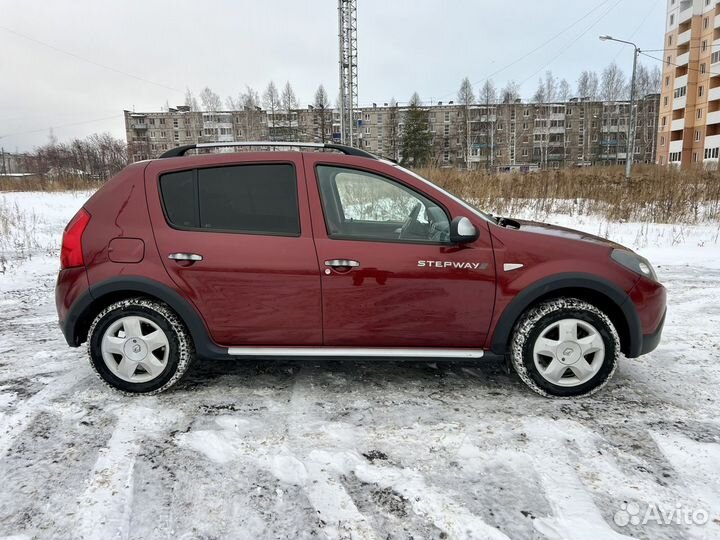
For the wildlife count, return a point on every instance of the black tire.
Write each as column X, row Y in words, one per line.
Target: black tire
column 180, row 344
column 541, row 317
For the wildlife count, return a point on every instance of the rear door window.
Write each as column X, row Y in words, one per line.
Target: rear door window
column 254, row 199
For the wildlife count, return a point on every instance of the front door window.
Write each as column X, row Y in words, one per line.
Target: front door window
column 363, row 206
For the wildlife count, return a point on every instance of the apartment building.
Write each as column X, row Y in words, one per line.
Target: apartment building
column 150, row 134
column 13, row 164
column 689, row 129
column 499, row 137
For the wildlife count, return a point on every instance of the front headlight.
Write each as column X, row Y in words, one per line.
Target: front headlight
column 633, row 261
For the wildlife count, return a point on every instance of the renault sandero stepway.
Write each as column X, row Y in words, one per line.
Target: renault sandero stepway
column 321, row 250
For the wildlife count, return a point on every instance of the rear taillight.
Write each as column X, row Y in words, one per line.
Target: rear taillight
column 71, row 254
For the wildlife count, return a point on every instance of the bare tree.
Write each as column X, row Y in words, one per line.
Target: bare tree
column 321, row 107
column 488, row 93
column 564, row 90
column 488, row 97
column 466, row 98
column 250, row 103
column 97, row 157
column 547, row 88
column 642, row 81
column 551, row 86
column 271, row 101
column 647, row 81
column 546, row 93
column 612, row 87
column 250, row 97
column 655, row 80
column 510, row 93
column 466, row 94
column 232, row 104
column 539, row 96
column 394, row 129
column 288, row 103
column 288, row 99
column 587, row 86
column 210, row 100
column 191, row 120
column 191, row 100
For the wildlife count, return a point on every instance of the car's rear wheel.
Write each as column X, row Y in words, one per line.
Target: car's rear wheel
column 139, row 346
column 565, row 347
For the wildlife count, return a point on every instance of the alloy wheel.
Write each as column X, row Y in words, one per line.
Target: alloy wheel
column 135, row 349
column 569, row 352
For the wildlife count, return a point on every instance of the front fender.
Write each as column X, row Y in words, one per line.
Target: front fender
column 501, row 334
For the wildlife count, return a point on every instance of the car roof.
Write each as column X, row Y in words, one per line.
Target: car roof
column 191, row 161
column 179, row 151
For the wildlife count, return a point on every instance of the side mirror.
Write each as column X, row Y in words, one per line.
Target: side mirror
column 462, row 231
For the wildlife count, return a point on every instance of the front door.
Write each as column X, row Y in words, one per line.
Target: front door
column 390, row 276
column 237, row 241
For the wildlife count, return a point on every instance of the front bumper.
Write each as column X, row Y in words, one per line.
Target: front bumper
column 650, row 301
column 651, row 341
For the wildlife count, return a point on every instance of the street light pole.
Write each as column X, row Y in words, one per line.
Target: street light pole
column 633, row 112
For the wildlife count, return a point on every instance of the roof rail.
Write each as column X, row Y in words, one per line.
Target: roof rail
column 347, row 150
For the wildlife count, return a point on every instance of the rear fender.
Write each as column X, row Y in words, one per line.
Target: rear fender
column 98, row 296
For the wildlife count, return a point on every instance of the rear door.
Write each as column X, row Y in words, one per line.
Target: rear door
column 236, row 239
column 390, row 276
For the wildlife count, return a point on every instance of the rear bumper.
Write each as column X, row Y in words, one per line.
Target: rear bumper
column 71, row 285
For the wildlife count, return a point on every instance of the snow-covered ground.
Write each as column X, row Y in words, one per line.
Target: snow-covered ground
column 321, row 449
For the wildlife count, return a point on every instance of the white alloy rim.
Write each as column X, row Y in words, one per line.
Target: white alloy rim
column 135, row 349
column 569, row 352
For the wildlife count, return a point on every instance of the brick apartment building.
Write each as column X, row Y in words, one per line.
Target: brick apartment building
column 689, row 131
column 502, row 137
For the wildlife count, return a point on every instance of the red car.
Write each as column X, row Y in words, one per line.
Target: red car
column 336, row 253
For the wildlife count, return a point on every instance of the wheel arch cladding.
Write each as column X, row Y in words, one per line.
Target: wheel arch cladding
column 600, row 292
column 103, row 294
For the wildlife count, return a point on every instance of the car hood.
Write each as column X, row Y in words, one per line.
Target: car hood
column 534, row 227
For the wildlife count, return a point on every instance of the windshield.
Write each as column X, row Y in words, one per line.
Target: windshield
column 455, row 198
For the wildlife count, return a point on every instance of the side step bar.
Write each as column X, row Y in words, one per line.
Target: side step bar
column 356, row 352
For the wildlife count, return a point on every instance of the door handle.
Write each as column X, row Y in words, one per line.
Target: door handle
column 185, row 257
column 342, row 263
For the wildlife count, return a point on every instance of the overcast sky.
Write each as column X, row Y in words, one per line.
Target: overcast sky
column 56, row 53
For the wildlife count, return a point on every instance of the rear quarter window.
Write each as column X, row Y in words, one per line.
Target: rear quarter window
column 179, row 196
column 254, row 199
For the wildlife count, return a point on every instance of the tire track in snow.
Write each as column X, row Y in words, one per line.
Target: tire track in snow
column 12, row 425
column 36, row 370
column 288, row 459
column 574, row 510
column 697, row 464
column 619, row 477
column 325, row 492
column 104, row 510
column 318, row 473
column 436, row 506
column 323, row 468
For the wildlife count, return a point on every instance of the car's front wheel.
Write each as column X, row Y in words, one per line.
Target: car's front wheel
column 565, row 347
column 139, row 346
